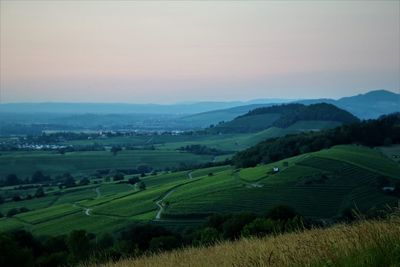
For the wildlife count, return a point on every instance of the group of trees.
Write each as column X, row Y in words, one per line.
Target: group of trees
column 37, row 177
column 20, row 248
column 202, row 150
column 383, row 131
column 291, row 113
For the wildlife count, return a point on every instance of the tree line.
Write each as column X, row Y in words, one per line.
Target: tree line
column 21, row 248
column 382, row 131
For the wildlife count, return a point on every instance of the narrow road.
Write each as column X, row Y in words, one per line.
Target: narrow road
column 98, row 193
column 87, row 211
column 148, row 141
column 160, row 204
column 190, row 175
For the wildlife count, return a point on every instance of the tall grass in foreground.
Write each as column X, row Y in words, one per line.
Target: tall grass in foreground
column 367, row 243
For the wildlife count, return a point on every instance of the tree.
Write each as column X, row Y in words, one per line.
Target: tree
column 12, row 254
column 163, row 243
column 12, row 212
column 234, row 225
column 207, row 236
column 84, row 181
column 134, row 180
column 1, row 199
column 11, row 179
column 79, row 245
column 142, row 185
column 39, row 192
column 282, row 213
column 118, row 177
column 115, row 150
column 105, row 241
column 38, row 177
column 16, row 198
column 143, row 169
column 69, row 180
column 260, row 227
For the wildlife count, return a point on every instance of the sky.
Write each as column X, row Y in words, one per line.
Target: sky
column 174, row 51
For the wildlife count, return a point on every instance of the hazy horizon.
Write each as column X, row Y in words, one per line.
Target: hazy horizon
column 258, row 100
column 174, row 52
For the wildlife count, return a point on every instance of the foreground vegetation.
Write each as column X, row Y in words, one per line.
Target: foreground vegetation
column 366, row 243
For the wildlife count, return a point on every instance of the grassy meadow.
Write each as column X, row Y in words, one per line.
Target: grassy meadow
column 368, row 243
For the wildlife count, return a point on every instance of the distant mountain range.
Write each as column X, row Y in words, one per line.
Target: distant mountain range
column 365, row 106
column 181, row 116
column 124, row 108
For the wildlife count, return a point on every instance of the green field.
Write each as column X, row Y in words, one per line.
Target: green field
column 318, row 185
column 24, row 164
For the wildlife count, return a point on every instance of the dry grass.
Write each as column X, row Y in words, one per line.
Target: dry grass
column 325, row 247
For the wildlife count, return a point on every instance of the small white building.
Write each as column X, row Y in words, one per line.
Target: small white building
column 388, row 189
column 275, row 169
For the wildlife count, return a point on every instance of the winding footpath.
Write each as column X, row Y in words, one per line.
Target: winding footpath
column 98, row 193
column 159, row 203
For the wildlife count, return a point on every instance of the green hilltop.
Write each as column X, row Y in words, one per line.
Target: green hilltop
column 284, row 116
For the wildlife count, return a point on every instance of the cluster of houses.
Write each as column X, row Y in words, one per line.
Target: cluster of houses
column 40, row 147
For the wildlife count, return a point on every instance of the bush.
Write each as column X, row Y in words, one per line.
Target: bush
column 261, row 227
column 163, row 243
column 234, row 225
column 78, row 243
column 207, row 236
column 118, row 177
column 134, row 180
column 39, row 192
column 16, row 198
column 282, row 213
column 12, row 212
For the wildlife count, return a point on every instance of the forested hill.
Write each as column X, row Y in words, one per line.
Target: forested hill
column 283, row 116
column 383, row 131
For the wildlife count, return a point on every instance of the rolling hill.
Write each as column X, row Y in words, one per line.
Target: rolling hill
column 370, row 105
column 284, row 116
column 318, row 185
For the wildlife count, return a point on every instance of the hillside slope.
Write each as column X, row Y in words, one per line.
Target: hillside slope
column 370, row 105
column 373, row 243
column 283, row 116
column 318, row 185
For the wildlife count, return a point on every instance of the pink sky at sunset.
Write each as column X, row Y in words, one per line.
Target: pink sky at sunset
column 165, row 52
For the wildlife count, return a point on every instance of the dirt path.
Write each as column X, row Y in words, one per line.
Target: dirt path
column 190, row 175
column 87, row 211
column 160, row 204
column 253, row 185
column 98, row 193
column 148, row 141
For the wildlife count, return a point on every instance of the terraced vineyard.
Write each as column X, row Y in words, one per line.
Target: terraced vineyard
column 318, row 185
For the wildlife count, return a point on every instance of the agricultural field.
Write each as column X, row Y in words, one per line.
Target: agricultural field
column 25, row 163
column 164, row 155
column 310, row 183
column 392, row 152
